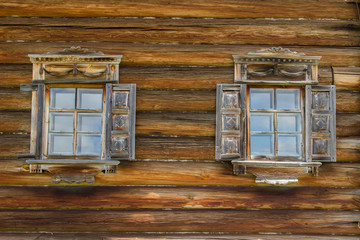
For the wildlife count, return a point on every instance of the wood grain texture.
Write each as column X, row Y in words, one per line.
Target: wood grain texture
column 126, row 197
column 185, row 31
column 171, row 148
column 166, row 77
column 171, row 236
column 171, row 100
column 145, row 54
column 172, row 123
column 347, row 78
column 183, row 173
column 281, row 221
column 183, row 8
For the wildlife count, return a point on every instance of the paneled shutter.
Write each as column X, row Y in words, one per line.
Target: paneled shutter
column 120, row 112
column 230, row 121
column 321, row 123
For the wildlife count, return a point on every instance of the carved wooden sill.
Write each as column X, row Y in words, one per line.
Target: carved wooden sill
column 72, row 170
column 275, row 172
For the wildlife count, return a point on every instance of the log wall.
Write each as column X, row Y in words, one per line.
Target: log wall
column 176, row 52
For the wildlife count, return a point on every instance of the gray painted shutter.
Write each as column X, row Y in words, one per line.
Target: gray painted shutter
column 230, row 121
column 321, row 123
column 120, row 113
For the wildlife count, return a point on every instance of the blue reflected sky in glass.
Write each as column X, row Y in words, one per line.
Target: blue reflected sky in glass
column 89, row 122
column 289, row 122
column 62, row 98
column 261, row 98
column 88, row 144
column 90, row 98
column 61, row 122
column 61, row 144
column 261, row 122
column 262, row 144
column 289, row 144
column 288, row 99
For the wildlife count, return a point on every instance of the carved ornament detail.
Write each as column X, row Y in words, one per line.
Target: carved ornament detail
column 75, row 50
column 276, row 50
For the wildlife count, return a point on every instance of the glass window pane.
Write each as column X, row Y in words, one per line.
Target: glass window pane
column 289, row 122
column 89, row 98
column 62, row 98
column 89, row 122
column 88, row 144
column 61, row 122
column 261, row 98
column 261, row 122
column 289, row 144
column 262, row 144
column 288, row 99
column 61, row 144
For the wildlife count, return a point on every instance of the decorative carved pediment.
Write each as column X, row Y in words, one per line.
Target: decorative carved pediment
column 75, row 50
column 276, row 51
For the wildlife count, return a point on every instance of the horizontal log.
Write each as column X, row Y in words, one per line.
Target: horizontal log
column 184, row 8
column 172, row 123
column 179, row 148
column 347, row 78
column 158, row 77
column 172, row 236
column 185, row 31
column 125, row 197
column 182, row 173
column 280, row 221
column 171, row 100
column 145, row 54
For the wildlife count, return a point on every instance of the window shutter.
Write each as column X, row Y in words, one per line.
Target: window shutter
column 120, row 114
column 230, row 121
column 321, row 123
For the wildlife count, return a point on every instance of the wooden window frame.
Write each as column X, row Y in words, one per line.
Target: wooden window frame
column 279, row 68
column 77, row 67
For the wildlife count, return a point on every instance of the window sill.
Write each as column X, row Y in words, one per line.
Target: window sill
column 285, row 171
column 73, row 170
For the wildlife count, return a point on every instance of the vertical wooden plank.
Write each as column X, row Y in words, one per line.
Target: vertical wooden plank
column 33, row 121
column 308, row 129
column 243, row 120
column 219, row 95
column 107, row 122
column 39, row 121
column 132, row 120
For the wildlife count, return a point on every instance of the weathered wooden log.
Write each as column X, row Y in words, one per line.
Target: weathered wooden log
column 171, row 123
column 146, row 54
column 185, row 8
column 126, row 197
column 281, row 221
column 347, row 78
column 186, row 31
column 183, row 173
column 172, row 236
column 167, row 77
column 167, row 148
column 171, row 100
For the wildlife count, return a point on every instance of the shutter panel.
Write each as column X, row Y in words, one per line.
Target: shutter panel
column 39, row 120
column 121, row 143
column 321, row 123
column 230, row 121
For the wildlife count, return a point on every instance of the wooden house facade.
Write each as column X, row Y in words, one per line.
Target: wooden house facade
column 177, row 52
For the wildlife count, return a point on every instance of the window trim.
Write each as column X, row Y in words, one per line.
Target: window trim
column 46, row 124
column 104, row 74
column 275, row 111
column 281, row 68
